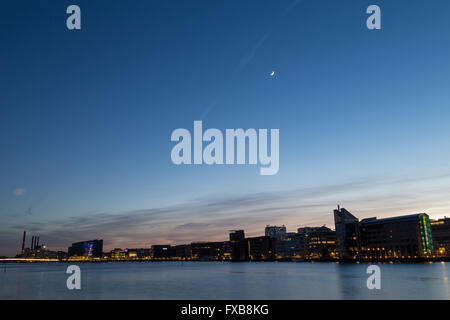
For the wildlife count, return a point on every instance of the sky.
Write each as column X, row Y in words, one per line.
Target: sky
column 86, row 116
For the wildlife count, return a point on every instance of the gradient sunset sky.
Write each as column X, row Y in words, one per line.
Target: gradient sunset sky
column 86, row 116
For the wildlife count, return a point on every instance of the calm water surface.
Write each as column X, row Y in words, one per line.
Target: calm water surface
column 223, row 280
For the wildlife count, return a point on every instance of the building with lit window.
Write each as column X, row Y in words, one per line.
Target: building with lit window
column 440, row 230
column 183, row 251
column 162, row 252
column 210, row 251
column 347, row 234
column 319, row 243
column 292, row 245
column 117, row 254
column 404, row 237
column 261, row 248
column 86, row 249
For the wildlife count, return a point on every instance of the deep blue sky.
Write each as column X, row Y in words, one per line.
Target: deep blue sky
column 86, row 116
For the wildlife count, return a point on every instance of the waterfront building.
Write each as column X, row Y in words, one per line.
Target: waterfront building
column 117, row 254
column 143, row 253
column 440, row 231
column 131, row 254
column 261, row 248
column 183, row 252
column 61, row 255
column 86, row 249
column 41, row 252
column 210, row 251
column 320, row 244
column 36, row 250
column 347, row 234
column 403, row 237
column 162, row 252
column 238, row 245
column 292, row 245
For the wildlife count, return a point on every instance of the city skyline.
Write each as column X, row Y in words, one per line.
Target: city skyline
column 86, row 116
column 412, row 237
column 35, row 237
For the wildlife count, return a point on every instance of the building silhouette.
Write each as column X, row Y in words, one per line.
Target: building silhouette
column 347, row 234
column 162, row 252
column 86, row 249
column 440, row 231
column 261, row 248
column 408, row 237
column 402, row 237
column 238, row 245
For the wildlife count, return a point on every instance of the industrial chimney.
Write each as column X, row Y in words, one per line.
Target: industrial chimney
column 23, row 240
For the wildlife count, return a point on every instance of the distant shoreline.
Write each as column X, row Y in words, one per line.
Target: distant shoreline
column 22, row 261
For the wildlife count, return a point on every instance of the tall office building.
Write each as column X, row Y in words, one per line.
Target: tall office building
column 238, row 245
column 347, row 234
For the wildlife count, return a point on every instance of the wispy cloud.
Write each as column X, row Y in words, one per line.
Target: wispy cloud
column 210, row 218
column 19, row 191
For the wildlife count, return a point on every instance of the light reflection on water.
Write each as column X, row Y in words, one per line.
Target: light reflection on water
column 222, row 280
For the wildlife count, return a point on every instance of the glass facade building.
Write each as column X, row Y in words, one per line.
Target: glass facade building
column 86, row 249
column 403, row 237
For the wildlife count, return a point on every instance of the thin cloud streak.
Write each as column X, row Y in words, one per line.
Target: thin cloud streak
column 247, row 58
column 210, row 218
